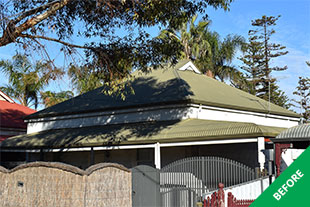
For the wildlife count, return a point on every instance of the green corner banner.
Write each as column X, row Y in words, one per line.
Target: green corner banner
column 291, row 188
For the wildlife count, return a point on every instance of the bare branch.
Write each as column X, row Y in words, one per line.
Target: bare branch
column 46, row 53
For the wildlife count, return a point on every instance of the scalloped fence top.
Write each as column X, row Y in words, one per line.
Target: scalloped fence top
column 52, row 184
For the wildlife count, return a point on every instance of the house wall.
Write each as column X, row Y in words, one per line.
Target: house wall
column 176, row 112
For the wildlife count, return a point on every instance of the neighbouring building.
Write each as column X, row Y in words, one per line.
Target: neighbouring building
column 12, row 123
column 12, row 117
column 289, row 144
column 174, row 113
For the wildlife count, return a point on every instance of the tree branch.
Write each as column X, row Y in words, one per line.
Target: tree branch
column 33, row 11
column 12, row 32
column 54, row 40
column 99, row 52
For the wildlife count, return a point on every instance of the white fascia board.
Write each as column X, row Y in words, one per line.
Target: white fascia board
column 245, row 112
column 155, row 108
column 105, row 113
column 6, row 97
column 190, row 66
column 219, row 114
column 120, row 147
column 141, row 116
column 160, row 113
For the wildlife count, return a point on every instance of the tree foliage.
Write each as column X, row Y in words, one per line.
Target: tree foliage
column 97, row 23
column 257, row 57
column 51, row 98
column 303, row 92
column 26, row 80
column 84, row 79
column 205, row 48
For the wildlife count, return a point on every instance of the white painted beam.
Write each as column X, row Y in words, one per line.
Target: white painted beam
column 261, row 155
column 157, row 156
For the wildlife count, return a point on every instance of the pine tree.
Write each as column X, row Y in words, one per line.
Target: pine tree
column 253, row 66
column 303, row 91
column 257, row 57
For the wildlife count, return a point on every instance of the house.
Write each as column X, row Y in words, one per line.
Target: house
column 11, row 117
column 174, row 113
column 11, row 124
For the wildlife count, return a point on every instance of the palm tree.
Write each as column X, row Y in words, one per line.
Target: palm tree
column 51, row 98
column 189, row 36
column 207, row 50
column 219, row 59
column 25, row 79
column 84, row 79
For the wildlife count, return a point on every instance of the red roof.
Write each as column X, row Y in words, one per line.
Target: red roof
column 12, row 114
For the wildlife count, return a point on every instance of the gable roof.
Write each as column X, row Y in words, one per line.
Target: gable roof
column 141, row 133
column 167, row 86
column 12, row 114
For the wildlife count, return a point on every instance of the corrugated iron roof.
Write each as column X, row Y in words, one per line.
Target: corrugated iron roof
column 167, row 86
column 297, row 133
column 141, row 133
column 12, row 114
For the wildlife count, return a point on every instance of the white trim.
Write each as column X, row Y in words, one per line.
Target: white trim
column 260, row 154
column 201, row 107
column 190, row 66
column 6, row 97
column 104, row 113
column 157, row 156
column 154, row 108
column 176, row 144
column 160, row 113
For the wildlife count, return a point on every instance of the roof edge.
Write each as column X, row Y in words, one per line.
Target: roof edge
column 226, row 106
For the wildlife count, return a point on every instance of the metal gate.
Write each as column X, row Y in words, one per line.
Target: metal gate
column 183, row 182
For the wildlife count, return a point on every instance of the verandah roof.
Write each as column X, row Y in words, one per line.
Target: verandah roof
column 294, row 134
column 141, row 133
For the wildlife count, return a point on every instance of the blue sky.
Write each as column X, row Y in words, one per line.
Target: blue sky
column 292, row 31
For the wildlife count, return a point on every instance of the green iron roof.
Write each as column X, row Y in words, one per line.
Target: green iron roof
column 163, row 87
column 296, row 133
column 141, row 133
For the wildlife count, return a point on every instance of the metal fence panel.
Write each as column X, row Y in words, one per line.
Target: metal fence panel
column 184, row 182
